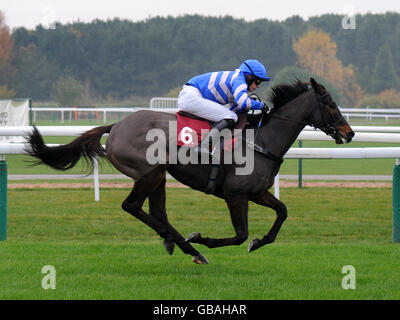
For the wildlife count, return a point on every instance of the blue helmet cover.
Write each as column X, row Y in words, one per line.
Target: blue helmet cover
column 256, row 68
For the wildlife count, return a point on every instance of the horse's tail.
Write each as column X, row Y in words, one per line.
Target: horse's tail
column 64, row 157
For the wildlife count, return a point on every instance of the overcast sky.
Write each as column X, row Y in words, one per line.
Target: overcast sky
column 30, row 13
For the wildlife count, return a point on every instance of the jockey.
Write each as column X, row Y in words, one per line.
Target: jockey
column 219, row 96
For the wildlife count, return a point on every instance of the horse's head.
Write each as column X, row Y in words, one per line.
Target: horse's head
column 327, row 117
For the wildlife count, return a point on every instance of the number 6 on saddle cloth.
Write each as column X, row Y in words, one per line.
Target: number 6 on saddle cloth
column 191, row 130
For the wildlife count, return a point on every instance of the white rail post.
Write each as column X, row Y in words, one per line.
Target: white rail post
column 96, row 179
column 3, row 197
column 396, row 202
column 3, row 186
column 276, row 184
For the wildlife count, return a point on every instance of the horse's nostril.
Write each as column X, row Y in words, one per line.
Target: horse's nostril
column 351, row 134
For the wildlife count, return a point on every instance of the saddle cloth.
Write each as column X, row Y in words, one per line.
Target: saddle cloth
column 190, row 128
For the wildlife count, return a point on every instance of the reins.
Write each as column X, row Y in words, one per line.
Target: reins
column 288, row 119
column 262, row 150
column 328, row 128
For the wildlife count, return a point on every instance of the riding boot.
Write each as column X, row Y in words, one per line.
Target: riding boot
column 213, row 134
column 212, row 180
column 205, row 147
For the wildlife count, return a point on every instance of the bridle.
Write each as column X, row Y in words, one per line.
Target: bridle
column 328, row 126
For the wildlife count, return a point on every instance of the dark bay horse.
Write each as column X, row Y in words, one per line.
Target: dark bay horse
column 295, row 105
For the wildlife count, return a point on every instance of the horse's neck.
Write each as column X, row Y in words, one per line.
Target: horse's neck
column 279, row 134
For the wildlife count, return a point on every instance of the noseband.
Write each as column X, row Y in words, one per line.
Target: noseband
column 328, row 127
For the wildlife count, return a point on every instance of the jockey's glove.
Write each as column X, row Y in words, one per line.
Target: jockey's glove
column 264, row 107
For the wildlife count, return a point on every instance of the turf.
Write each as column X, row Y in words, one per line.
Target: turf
column 100, row 252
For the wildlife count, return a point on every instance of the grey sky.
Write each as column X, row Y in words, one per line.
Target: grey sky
column 30, row 13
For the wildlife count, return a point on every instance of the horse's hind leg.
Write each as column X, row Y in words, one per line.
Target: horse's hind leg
column 238, row 209
column 157, row 209
column 157, row 205
column 149, row 185
column 269, row 200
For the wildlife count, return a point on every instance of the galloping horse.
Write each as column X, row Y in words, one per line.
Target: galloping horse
column 295, row 105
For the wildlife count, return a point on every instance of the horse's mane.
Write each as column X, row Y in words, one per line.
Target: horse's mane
column 280, row 95
column 283, row 93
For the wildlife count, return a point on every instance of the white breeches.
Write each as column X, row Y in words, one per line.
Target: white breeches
column 191, row 101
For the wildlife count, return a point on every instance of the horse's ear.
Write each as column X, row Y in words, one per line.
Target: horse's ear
column 313, row 83
column 316, row 86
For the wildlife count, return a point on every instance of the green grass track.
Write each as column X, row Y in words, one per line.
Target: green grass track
column 100, row 252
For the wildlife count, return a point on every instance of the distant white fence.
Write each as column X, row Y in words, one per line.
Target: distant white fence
column 389, row 113
column 369, row 114
column 160, row 102
column 171, row 105
column 370, row 129
column 73, row 113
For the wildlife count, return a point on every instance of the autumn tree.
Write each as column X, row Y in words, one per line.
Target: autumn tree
column 316, row 52
column 6, row 69
column 349, row 88
column 385, row 99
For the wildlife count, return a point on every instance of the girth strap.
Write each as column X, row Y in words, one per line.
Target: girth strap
column 264, row 151
column 216, row 167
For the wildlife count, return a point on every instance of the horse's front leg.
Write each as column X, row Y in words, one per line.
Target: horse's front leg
column 238, row 208
column 268, row 200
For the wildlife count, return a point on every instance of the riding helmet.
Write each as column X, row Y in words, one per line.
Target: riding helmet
column 254, row 69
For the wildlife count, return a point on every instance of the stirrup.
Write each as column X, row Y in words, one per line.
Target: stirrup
column 202, row 149
column 214, row 133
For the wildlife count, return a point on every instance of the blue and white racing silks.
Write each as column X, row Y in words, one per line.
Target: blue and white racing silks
column 227, row 88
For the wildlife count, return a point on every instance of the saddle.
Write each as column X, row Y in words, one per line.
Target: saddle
column 192, row 129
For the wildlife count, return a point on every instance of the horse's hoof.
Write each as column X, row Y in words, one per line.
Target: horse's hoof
column 169, row 246
column 254, row 244
column 194, row 237
column 200, row 259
